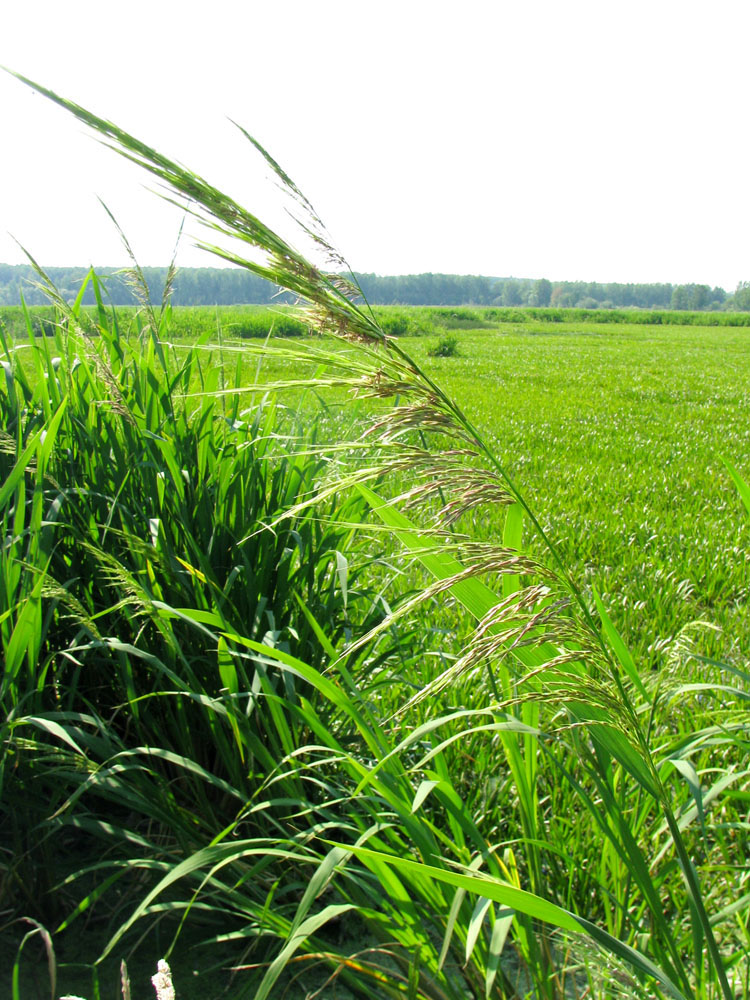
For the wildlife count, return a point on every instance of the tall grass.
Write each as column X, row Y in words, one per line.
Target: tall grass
column 536, row 815
column 132, row 489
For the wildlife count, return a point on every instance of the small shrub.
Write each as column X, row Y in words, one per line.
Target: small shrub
column 396, row 324
column 446, row 347
column 456, row 319
column 262, row 323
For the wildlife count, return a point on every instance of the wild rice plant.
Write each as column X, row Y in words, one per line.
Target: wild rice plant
column 609, row 823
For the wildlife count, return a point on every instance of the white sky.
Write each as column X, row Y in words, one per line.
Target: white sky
column 601, row 140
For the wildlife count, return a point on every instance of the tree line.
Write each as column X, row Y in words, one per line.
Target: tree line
column 233, row 286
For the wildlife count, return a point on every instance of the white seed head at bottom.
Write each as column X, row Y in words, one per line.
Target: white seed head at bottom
column 162, row 981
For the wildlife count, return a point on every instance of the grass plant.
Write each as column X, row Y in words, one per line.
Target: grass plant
column 446, row 347
column 537, row 815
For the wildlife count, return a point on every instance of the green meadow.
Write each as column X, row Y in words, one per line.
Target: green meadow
column 616, row 432
column 616, row 435
column 404, row 658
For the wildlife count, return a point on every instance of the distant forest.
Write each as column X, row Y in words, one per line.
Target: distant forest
column 196, row 286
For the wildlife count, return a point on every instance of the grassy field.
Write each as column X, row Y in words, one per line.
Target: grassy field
column 131, row 590
column 615, row 431
column 617, row 435
column 255, row 321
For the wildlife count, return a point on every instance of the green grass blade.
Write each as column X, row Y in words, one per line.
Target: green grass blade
column 621, row 651
column 742, row 487
column 533, row 906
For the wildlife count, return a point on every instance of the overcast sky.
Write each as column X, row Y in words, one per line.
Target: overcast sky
column 598, row 140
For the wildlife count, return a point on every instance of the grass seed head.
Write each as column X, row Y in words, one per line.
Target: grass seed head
column 162, row 981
